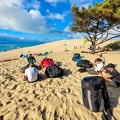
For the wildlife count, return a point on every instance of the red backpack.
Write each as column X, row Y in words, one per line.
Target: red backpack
column 46, row 62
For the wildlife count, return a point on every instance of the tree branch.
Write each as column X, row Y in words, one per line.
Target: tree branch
column 108, row 39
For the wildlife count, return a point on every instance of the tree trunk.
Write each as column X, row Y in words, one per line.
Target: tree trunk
column 94, row 47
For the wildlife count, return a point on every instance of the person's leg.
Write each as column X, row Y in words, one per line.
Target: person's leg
column 25, row 78
column 92, row 72
column 117, row 84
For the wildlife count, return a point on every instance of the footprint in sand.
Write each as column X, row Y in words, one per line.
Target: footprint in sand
column 8, row 102
column 26, row 116
column 9, row 94
column 14, row 87
column 1, row 104
column 2, row 117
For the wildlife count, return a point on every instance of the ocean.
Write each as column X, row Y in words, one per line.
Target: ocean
column 6, row 47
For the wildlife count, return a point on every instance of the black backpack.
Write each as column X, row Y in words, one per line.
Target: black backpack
column 95, row 96
column 84, row 63
column 94, row 93
column 54, row 71
column 82, row 69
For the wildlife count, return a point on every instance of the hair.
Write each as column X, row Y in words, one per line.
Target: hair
column 98, row 60
column 21, row 55
column 110, row 65
column 30, row 55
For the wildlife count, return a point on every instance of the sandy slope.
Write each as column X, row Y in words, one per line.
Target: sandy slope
column 43, row 100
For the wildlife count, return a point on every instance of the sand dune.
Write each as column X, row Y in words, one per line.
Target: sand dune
column 44, row 99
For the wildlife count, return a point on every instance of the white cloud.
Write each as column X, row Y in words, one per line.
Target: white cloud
column 14, row 17
column 22, row 38
column 54, row 2
column 36, row 14
column 67, row 29
column 34, row 4
column 57, row 16
column 47, row 10
column 81, row 3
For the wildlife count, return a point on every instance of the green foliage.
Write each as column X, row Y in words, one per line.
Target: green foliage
column 96, row 21
column 114, row 46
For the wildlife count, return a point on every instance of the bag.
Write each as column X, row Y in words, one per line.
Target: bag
column 46, row 62
column 23, row 68
column 54, row 71
column 75, row 56
column 78, row 59
column 82, row 69
column 94, row 93
column 84, row 63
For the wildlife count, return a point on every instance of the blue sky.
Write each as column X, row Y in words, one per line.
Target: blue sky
column 41, row 20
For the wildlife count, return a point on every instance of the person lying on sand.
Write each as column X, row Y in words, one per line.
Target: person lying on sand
column 31, row 73
column 110, row 73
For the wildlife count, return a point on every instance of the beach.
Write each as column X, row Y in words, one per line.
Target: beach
column 44, row 100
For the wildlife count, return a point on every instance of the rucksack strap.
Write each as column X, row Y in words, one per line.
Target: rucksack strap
column 104, row 116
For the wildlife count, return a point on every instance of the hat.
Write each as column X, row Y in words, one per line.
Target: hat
column 110, row 65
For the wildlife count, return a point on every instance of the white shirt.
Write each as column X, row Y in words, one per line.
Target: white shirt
column 99, row 66
column 31, row 73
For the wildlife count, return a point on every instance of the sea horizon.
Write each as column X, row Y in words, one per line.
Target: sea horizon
column 11, row 46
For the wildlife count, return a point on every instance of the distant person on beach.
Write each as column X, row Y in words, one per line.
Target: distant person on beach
column 31, row 59
column 91, row 49
column 110, row 73
column 98, row 48
column 24, row 55
column 31, row 73
column 101, row 57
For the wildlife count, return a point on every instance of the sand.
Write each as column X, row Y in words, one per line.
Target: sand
column 43, row 100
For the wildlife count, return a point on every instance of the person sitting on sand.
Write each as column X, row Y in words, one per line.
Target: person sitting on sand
column 101, row 57
column 31, row 73
column 110, row 73
column 98, row 64
column 98, row 67
column 31, row 59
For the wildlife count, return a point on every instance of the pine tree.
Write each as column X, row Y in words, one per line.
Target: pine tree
column 100, row 22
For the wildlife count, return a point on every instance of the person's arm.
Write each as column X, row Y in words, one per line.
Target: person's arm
column 105, row 75
column 25, row 75
column 34, row 60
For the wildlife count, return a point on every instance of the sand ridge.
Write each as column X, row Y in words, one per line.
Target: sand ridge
column 44, row 99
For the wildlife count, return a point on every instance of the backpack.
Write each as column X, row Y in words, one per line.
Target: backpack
column 82, row 69
column 54, row 71
column 78, row 59
column 95, row 96
column 84, row 63
column 94, row 93
column 46, row 62
column 75, row 56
